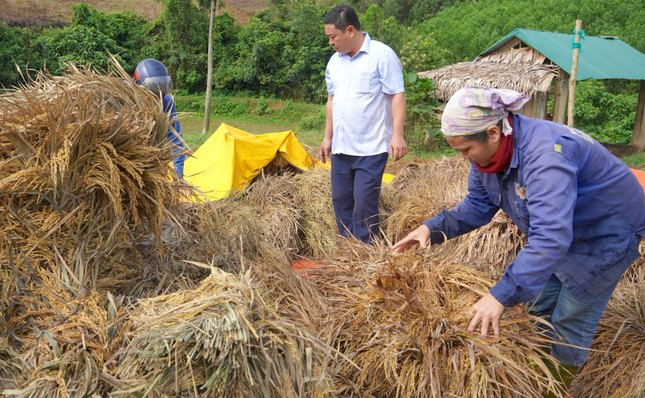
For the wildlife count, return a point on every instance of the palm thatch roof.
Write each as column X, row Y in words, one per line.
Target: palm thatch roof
column 520, row 69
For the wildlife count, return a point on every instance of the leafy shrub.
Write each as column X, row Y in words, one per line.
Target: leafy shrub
column 606, row 116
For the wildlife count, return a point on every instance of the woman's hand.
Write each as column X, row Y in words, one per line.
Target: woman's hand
column 420, row 235
column 486, row 311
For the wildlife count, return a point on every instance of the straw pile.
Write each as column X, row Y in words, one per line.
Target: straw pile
column 84, row 175
column 489, row 248
column 616, row 367
column 275, row 196
column 84, row 169
column 221, row 339
column 260, row 219
column 424, row 189
column 402, row 320
column 65, row 343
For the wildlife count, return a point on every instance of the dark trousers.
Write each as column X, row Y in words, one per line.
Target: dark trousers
column 355, row 193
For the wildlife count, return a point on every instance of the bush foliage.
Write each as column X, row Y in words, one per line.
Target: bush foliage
column 282, row 52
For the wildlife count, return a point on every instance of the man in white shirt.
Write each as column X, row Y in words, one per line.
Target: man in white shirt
column 365, row 115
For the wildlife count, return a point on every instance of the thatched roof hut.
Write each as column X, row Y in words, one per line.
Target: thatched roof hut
column 518, row 69
column 539, row 64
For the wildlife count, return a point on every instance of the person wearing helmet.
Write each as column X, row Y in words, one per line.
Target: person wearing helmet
column 154, row 76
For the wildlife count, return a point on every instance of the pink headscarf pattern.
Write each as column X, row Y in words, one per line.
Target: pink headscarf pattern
column 472, row 109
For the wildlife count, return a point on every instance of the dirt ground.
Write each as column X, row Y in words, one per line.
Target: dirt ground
column 59, row 12
column 619, row 150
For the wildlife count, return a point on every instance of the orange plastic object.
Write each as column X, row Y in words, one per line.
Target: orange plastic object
column 640, row 175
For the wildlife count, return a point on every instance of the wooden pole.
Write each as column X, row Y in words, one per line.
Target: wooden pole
column 574, row 72
column 638, row 139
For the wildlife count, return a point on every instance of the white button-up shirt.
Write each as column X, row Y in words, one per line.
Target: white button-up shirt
column 362, row 87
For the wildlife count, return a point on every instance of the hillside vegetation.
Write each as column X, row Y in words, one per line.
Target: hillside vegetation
column 281, row 51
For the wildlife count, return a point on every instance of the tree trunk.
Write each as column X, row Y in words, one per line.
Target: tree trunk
column 209, row 76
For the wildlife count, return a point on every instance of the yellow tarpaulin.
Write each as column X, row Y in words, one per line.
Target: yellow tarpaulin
column 231, row 158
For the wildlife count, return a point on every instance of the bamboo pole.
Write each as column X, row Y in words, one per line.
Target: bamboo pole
column 574, row 72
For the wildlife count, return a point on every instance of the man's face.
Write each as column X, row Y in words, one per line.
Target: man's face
column 339, row 40
column 477, row 151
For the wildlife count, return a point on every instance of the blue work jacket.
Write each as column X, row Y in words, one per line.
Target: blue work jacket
column 174, row 135
column 581, row 208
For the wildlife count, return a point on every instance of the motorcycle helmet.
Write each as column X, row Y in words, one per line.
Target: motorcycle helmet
column 154, row 76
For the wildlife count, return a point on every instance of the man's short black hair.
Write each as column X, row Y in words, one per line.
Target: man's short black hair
column 341, row 17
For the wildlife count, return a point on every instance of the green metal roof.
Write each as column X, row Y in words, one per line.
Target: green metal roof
column 600, row 57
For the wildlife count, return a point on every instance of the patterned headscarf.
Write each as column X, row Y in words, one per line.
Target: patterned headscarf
column 473, row 109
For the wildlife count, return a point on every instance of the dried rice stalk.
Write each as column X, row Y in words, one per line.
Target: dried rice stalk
column 297, row 299
column 65, row 342
column 220, row 339
column 221, row 233
column 84, row 170
column 279, row 215
column 402, row 319
column 489, row 248
column 422, row 190
column 313, row 197
column 318, row 223
column 425, row 189
column 617, row 364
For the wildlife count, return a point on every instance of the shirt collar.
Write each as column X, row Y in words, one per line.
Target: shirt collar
column 365, row 48
column 516, row 145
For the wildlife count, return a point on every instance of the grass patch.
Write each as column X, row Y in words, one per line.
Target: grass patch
column 255, row 115
column 636, row 161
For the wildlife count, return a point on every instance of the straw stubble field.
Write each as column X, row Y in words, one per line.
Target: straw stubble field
column 113, row 284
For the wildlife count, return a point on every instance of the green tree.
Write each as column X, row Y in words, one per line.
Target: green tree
column 467, row 29
column 421, row 52
column 606, row 116
column 21, row 50
column 210, row 5
column 382, row 27
column 421, row 120
column 78, row 45
column 179, row 40
column 128, row 30
column 281, row 52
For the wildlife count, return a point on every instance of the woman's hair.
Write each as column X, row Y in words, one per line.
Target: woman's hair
column 482, row 136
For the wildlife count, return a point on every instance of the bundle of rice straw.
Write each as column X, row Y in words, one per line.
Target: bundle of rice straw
column 313, row 197
column 402, row 319
column 489, row 248
column 279, row 213
column 221, row 339
column 424, row 189
column 221, row 233
column 84, row 167
column 65, row 342
column 295, row 296
column 85, row 171
column 616, row 366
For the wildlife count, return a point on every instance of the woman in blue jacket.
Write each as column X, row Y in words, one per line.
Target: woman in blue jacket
column 581, row 208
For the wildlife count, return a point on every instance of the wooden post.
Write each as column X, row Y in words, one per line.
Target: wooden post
column 574, row 72
column 638, row 138
column 561, row 98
